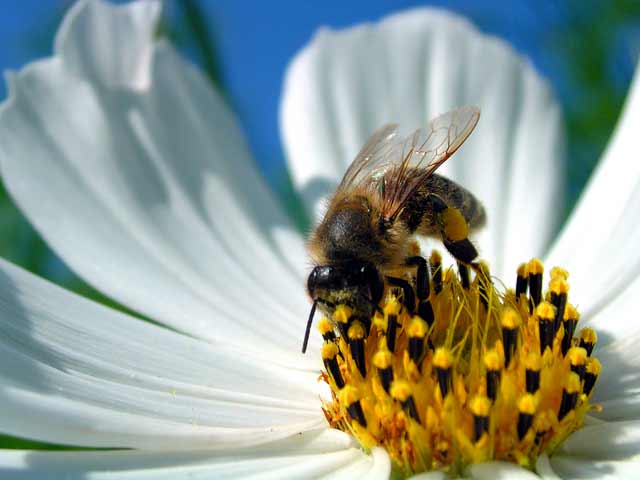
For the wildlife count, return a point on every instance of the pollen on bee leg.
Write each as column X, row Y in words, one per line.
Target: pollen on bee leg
column 477, row 375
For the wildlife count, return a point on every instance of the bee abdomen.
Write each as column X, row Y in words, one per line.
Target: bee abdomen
column 419, row 213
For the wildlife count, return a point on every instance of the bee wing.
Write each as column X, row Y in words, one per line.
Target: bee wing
column 371, row 162
column 411, row 162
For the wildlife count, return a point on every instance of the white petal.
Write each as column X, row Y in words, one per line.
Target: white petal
column 599, row 242
column 74, row 372
column 584, row 468
column 151, row 194
column 608, row 441
column 409, row 68
column 544, row 469
column 94, row 54
column 309, row 455
column 500, row 471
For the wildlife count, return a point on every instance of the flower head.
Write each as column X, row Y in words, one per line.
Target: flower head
column 135, row 172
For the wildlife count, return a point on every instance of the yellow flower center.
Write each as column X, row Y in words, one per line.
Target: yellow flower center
column 466, row 375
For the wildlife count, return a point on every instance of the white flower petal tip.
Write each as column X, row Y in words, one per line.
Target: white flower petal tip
column 110, row 44
column 408, row 68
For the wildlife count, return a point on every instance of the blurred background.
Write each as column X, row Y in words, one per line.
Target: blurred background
column 586, row 49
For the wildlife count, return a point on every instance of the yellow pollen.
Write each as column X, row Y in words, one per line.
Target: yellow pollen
column 559, row 286
column 594, row 366
column 535, row 267
column 493, row 361
column 480, row 406
column 522, row 270
column 533, row 362
column 342, row 314
column 325, row 326
column 588, row 335
column 483, row 376
column 570, row 313
column 442, row 358
column 356, row 331
column 546, row 311
column 329, row 350
column 527, row 404
column 455, row 226
column 417, row 328
column 572, row 384
column 400, row 390
column 382, row 359
column 510, row 319
column 558, row 272
column 577, row 356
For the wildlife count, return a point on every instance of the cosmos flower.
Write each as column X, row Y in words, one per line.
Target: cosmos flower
column 135, row 172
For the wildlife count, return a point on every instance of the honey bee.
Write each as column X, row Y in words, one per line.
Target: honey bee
column 388, row 194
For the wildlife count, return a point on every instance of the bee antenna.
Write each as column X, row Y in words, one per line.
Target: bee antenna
column 308, row 329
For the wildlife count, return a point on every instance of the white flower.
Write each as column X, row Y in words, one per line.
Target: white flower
column 135, row 172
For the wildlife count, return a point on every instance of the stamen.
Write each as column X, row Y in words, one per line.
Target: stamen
column 578, row 360
column 349, row 397
column 326, row 330
column 559, row 289
column 588, row 339
column 391, row 311
column 442, row 360
column 591, row 375
column 527, row 406
column 522, row 281
column 493, row 364
column 535, row 269
column 475, row 375
column 356, row 336
column 546, row 315
column 435, row 261
column 571, row 317
column 329, row 357
column 569, row 395
column 417, row 331
column 382, row 361
column 480, row 406
column 510, row 324
column 533, row 365
column 401, row 391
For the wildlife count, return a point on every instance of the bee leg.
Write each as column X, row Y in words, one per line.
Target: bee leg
column 407, row 291
column 454, row 230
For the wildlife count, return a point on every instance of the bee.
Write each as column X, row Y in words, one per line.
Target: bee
column 389, row 194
